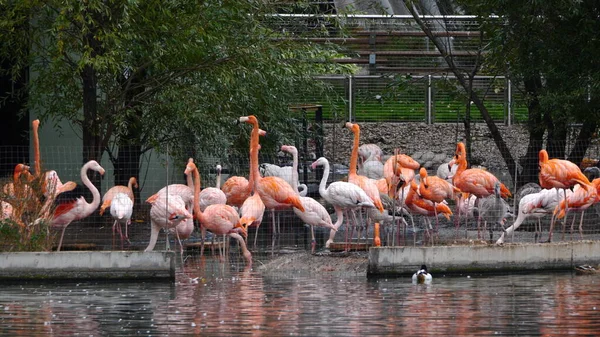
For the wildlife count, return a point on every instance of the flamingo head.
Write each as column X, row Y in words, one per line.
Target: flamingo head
column 319, row 162
column 262, row 132
column 543, row 156
column 93, row 165
column 249, row 119
column 219, row 168
column 21, row 168
column 460, row 151
column 289, row 149
column 353, row 127
column 189, row 168
column 134, row 182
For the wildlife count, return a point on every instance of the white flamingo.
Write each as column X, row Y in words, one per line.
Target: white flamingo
column 121, row 209
column 69, row 211
column 314, row 213
column 342, row 195
column 537, row 205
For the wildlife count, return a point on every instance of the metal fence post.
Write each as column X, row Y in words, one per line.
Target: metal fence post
column 429, row 101
column 509, row 102
column 350, row 97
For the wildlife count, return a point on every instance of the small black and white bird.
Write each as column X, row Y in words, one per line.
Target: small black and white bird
column 422, row 276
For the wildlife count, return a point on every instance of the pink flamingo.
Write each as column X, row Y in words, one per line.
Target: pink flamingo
column 314, row 213
column 67, row 212
column 252, row 212
column 167, row 211
column 219, row 219
column 342, row 195
column 275, row 192
column 435, row 189
column 53, row 184
column 580, row 200
column 113, row 191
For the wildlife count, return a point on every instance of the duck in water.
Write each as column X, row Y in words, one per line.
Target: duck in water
column 422, row 276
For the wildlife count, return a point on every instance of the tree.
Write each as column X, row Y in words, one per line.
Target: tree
column 138, row 75
column 550, row 50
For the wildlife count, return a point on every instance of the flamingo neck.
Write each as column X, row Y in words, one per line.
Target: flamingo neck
column 36, row 148
column 323, row 184
column 87, row 182
column 254, row 172
column 218, row 179
column 196, row 181
column 354, row 156
column 295, row 171
column 130, row 184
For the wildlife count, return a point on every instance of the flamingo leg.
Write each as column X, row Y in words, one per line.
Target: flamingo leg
column 61, row 239
column 203, row 234
column 313, row 242
column 274, row 230
column 256, row 235
column 581, row 226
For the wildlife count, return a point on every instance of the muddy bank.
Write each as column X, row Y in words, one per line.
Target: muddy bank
column 322, row 262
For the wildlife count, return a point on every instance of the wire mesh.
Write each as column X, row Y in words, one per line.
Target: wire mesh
column 432, row 146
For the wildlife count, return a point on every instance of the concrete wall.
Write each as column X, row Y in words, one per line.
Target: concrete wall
column 87, row 265
column 463, row 259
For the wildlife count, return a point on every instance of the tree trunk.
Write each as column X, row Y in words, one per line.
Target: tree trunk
column 583, row 141
column 504, row 151
column 535, row 126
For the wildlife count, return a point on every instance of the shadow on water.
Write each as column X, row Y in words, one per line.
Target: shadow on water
column 220, row 298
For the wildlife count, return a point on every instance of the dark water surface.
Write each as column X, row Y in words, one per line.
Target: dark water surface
column 231, row 303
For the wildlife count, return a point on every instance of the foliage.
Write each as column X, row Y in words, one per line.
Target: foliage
column 26, row 228
column 170, row 75
column 553, row 47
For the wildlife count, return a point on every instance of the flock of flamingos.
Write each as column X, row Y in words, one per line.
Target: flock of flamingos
column 377, row 187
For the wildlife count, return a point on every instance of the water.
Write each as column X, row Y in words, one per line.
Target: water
column 227, row 302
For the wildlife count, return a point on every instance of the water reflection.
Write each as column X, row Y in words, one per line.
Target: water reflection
column 213, row 298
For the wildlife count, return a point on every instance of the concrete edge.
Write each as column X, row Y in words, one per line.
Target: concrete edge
column 390, row 261
column 111, row 265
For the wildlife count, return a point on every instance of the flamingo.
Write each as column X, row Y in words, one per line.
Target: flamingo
column 67, row 212
column 186, row 193
column 237, row 189
column 435, row 189
column 121, row 209
column 167, row 212
column 369, row 163
column 535, row 205
column 113, row 191
column 53, row 186
column 274, row 191
column 475, row 181
column 580, row 200
column 218, row 218
column 283, row 172
column 314, row 213
column 418, row 205
column 494, row 209
column 210, row 196
column 561, row 174
column 342, row 195
column 368, row 185
column 251, row 213
column 399, row 168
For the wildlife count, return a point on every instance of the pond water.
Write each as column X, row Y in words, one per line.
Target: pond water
column 225, row 301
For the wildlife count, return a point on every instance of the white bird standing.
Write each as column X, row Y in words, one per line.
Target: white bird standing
column 342, row 195
column 121, row 209
column 537, row 205
column 314, row 213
